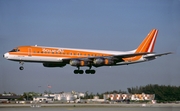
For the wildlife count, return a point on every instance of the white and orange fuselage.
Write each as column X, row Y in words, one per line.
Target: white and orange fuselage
column 59, row 57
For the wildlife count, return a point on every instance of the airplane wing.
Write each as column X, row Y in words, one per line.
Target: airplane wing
column 112, row 56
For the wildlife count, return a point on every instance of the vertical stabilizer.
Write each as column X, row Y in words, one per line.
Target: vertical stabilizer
column 147, row 45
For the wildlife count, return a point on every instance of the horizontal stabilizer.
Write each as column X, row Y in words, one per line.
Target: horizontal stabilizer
column 158, row 55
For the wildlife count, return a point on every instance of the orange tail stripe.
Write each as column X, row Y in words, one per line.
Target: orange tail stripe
column 144, row 46
column 147, row 45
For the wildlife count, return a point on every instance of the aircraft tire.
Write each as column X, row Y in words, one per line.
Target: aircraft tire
column 76, row 71
column 87, row 71
column 21, row 68
column 93, row 71
column 81, row 71
column 90, row 71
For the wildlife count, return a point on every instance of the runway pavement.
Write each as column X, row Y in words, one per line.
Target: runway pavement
column 89, row 105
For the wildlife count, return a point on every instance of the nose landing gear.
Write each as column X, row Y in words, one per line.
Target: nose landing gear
column 21, row 67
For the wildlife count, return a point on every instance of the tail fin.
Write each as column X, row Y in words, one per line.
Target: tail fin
column 147, row 45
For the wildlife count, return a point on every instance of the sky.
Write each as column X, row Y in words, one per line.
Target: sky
column 118, row 25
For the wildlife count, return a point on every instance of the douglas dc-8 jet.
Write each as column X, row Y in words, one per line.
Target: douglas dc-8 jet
column 60, row 57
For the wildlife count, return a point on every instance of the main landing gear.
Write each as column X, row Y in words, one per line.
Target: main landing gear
column 78, row 71
column 21, row 67
column 88, row 71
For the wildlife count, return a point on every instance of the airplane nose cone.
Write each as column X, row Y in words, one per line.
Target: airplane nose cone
column 6, row 55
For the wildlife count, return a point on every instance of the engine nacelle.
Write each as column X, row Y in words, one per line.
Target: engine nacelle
column 98, row 61
column 54, row 64
column 76, row 62
column 103, row 61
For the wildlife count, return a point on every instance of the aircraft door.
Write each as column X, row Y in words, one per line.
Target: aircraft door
column 29, row 51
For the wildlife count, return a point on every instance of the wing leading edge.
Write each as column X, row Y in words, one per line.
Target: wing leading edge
column 114, row 58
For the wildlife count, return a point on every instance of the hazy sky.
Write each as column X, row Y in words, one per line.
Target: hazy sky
column 93, row 24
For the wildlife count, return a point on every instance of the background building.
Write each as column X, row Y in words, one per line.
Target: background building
column 62, row 96
column 137, row 97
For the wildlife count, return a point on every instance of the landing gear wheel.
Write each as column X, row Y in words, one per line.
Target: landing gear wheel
column 21, row 68
column 90, row 71
column 87, row 71
column 81, row 71
column 93, row 71
column 76, row 71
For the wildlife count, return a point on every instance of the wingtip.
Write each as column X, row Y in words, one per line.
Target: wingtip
column 170, row 52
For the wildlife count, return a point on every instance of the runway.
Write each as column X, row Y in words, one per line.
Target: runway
column 89, row 105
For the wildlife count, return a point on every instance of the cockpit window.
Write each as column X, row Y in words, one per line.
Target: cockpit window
column 15, row 50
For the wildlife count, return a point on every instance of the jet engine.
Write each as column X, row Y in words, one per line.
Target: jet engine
column 54, row 64
column 77, row 62
column 102, row 61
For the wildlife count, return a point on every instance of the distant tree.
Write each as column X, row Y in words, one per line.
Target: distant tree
column 97, row 94
column 107, row 92
column 115, row 92
column 29, row 95
column 91, row 96
column 101, row 96
column 21, row 98
column 129, row 90
column 86, row 95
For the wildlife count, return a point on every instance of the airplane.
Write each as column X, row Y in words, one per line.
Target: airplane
column 60, row 57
